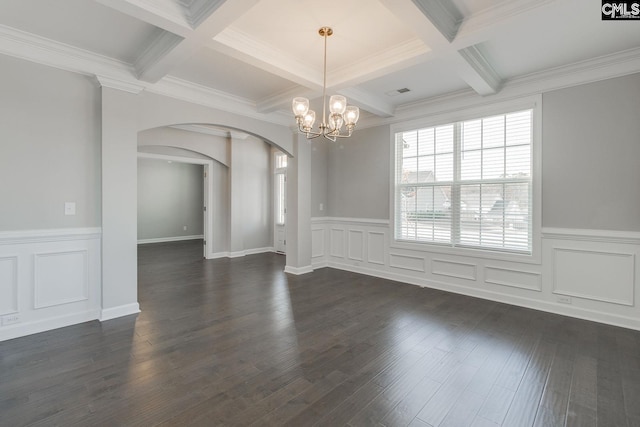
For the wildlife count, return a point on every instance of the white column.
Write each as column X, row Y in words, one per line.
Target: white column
column 119, row 200
column 299, row 209
column 236, row 196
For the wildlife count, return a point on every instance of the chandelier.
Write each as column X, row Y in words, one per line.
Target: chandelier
column 340, row 113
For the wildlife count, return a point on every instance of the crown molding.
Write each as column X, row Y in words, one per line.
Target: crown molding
column 483, row 69
column 246, row 48
column 208, row 97
column 443, row 15
column 199, row 10
column 273, row 102
column 161, row 45
column 165, row 14
column 601, row 68
column 501, row 12
column 125, row 86
column 121, row 75
column 412, row 50
column 41, row 50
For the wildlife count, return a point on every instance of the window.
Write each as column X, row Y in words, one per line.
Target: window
column 280, row 187
column 467, row 184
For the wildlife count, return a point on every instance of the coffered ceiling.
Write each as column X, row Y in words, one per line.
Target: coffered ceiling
column 253, row 56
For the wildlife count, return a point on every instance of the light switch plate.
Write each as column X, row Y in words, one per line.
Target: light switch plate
column 69, row 208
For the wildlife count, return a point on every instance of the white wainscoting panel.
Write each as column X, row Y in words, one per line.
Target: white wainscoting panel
column 376, row 247
column 513, row 278
column 8, row 284
column 54, row 279
column 596, row 267
column 60, row 278
column 337, row 242
column 460, row 270
column 600, row 276
column 407, row 262
column 356, row 245
column 317, row 243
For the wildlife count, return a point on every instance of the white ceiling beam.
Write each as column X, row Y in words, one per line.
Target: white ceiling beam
column 477, row 71
column 165, row 14
column 189, row 25
column 443, row 15
column 368, row 102
column 279, row 100
column 437, row 24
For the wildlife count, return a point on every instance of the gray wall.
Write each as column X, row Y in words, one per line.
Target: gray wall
column 49, row 147
column 257, row 194
column 170, row 196
column 255, row 186
column 358, row 175
column 319, row 177
column 591, row 156
column 590, row 161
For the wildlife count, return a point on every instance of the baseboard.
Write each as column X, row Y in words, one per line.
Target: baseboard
column 23, row 329
column 259, row 250
column 217, row 255
column 119, row 311
column 298, row 270
column 169, row 239
column 546, row 306
column 246, row 252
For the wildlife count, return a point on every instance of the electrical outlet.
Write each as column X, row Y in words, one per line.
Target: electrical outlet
column 563, row 299
column 10, row 319
column 184, row 228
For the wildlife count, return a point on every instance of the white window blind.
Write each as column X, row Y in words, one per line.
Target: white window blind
column 467, row 183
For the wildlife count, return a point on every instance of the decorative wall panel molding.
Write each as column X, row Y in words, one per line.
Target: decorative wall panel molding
column 407, row 262
column 513, row 278
column 51, row 278
column 523, row 283
column 317, row 243
column 601, row 276
column 337, row 242
column 376, row 247
column 8, row 285
column 60, row 278
column 460, row 270
column 356, row 245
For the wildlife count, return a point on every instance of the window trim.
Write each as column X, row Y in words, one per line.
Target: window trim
column 531, row 102
column 282, row 171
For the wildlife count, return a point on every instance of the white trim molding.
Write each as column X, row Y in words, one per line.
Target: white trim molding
column 49, row 235
column 605, row 236
column 170, row 239
column 120, row 311
column 298, row 270
column 56, row 278
column 606, row 294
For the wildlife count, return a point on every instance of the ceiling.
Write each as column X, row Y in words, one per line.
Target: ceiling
column 254, row 56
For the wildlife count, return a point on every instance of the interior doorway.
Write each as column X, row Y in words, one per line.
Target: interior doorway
column 196, row 205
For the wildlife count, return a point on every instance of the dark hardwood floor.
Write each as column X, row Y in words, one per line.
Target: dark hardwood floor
column 239, row 342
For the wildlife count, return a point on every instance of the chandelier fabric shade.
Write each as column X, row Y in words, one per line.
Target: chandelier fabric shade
column 341, row 115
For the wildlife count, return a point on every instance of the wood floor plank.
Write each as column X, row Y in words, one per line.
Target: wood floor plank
column 239, row 342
